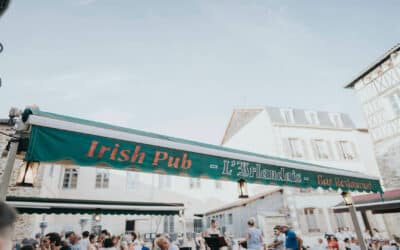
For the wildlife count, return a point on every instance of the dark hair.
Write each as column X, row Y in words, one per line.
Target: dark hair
column 67, row 234
column 134, row 235
column 65, row 248
column 7, row 216
column 27, row 247
column 54, row 238
column 104, row 232
column 346, row 239
column 277, row 227
column 85, row 234
column 107, row 243
column 92, row 236
column 213, row 221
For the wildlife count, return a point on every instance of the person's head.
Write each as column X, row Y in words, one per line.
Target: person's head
column 277, row 230
column 45, row 242
column 284, row 228
column 72, row 238
column 85, row 234
column 7, row 219
column 27, row 247
column 214, row 223
column 251, row 222
column 134, row 236
column 54, row 239
column 346, row 240
column 104, row 233
column 92, row 238
column 108, row 243
column 163, row 243
column 115, row 240
column 335, row 239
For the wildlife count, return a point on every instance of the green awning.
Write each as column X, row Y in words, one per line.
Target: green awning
column 58, row 138
column 34, row 205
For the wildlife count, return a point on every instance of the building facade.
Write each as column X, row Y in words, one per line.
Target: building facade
column 328, row 139
column 378, row 90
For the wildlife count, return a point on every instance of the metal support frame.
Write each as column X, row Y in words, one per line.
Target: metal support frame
column 357, row 227
column 5, row 179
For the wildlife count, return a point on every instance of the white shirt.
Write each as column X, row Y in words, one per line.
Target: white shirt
column 84, row 243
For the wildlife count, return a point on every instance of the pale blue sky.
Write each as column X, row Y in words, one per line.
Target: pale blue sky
column 181, row 67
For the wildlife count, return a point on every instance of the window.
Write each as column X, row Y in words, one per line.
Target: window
column 218, row 185
column 312, row 117
column 70, row 179
column 129, row 225
column 198, row 225
column 394, row 100
column 336, row 120
column 194, row 183
column 230, row 219
column 311, row 220
column 287, row 115
column 164, row 181
column 132, row 180
column 321, row 149
column 102, row 178
column 346, row 150
column 296, row 150
column 169, row 224
column 340, row 220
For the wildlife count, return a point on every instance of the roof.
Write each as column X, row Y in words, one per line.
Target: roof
column 372, row 66
column 241, row 117
column 243, row 202
column 36, row 205
column 390, row 201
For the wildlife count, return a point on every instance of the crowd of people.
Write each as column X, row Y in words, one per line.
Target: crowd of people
column 284, row 238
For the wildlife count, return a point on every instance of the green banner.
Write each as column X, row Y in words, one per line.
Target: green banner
column 51, row 145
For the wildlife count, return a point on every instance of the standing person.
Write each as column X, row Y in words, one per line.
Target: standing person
column 55, row 240
column 213, row 229
column 92, row 242
column 333, row 244
column 85, row 240
column 199, row 242
column 291, row 238
column 321, row 245
column 164, row 244
column 74, row 241
column 108, row 244
column 254, row 236
column 7, row 219
column 278, row 240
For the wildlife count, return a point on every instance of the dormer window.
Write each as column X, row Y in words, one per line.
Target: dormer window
column 312, row 117
column 336, row 120
column 287, row 115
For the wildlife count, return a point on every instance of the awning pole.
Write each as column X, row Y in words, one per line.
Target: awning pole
column 5, row 179
column 357, row 227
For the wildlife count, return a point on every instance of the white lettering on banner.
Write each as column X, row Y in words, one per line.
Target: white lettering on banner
column 244, row 169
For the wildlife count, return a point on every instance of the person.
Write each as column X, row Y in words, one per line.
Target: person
column 355, row 244
column 92, row 242
column 199, row 242
column 45, row 243
column 108, row 244
column 84, row 242
column 347, row 233
column 254, row 236
column 291, row 238
column 73, row 241
column 321, row 245
column 213, row 229
column 333, row 243
column 164, row 244
column 278, row 240
column 8, row 217
column 347, row 244
column 55, row 240
column 339, row 234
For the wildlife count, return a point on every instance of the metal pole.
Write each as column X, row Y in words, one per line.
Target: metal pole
column 357, row 227
column 5, row 179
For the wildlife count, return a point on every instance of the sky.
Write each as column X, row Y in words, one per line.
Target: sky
column 180, row 67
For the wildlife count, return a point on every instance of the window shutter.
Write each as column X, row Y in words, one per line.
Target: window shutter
column 331, row 155
column 355, row 153
column 305, row 149
column 314, row 149
column 339, row 150
column 286, row 147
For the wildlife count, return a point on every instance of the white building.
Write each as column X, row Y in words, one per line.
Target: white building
column 378, row 89
column 328, row 139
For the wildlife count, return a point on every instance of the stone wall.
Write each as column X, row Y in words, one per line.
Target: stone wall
column 389, row 167
column 24, row 226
